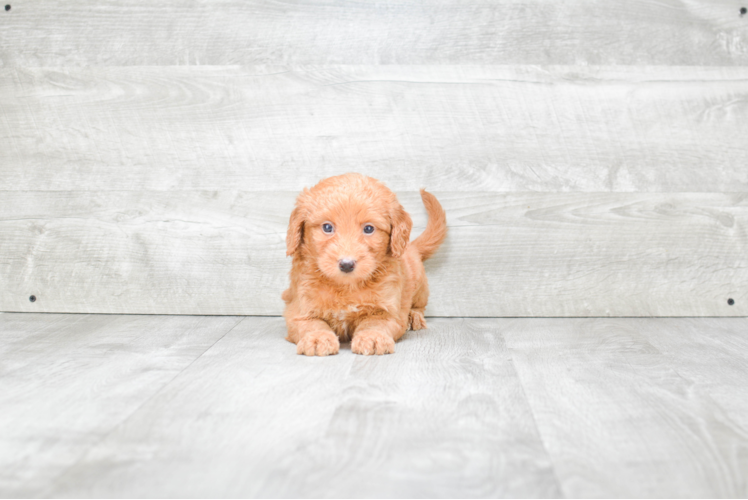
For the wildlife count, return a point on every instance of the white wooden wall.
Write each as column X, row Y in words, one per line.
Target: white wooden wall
column 592, row 156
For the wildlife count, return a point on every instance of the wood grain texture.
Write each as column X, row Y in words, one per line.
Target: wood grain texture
column 66, row 381
column 620, row 418
column 582, row 32
column 153, row 252
column 151, row 406
column 448, row 128
column 444, row 417
column 721, row 374
column 507, row 254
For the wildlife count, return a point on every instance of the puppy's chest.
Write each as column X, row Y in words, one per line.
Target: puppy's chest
column 346, row 304
column 346, row 311
column 348, row 315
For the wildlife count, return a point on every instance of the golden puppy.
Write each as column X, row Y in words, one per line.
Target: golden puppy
column 355, row 273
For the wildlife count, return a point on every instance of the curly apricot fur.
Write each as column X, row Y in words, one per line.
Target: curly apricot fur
column 386, row 291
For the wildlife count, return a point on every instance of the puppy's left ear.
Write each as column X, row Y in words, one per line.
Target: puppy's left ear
column 401, row 226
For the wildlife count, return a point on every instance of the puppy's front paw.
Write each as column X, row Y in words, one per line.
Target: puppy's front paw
column 319, row 343
column 417, row 321
column 372, row 342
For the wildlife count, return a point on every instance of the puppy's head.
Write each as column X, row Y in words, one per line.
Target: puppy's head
column 348, row 225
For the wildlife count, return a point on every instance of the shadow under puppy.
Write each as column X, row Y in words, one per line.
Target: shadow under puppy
column 355, row 274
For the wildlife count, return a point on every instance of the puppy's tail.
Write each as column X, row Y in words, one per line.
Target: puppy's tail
column 436, row 227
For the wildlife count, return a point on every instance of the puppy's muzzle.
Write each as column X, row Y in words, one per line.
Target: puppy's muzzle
column 346, row 265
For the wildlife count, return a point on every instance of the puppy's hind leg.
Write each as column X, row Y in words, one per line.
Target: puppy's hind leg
column 416, row 320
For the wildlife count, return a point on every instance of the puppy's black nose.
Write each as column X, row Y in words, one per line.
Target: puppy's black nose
column 346, row 265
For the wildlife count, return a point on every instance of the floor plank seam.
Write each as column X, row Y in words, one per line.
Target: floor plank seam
column 534, row 420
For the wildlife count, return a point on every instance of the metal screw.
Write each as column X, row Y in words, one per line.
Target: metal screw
column 7, row 8
column 743, row 10
column 730, row 302
column 32, row 298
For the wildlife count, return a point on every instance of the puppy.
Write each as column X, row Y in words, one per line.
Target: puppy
column 355, row 274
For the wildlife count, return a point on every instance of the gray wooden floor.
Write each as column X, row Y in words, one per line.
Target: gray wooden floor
column 110, row 405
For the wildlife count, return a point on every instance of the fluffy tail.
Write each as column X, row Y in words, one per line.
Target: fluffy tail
column 436, row 227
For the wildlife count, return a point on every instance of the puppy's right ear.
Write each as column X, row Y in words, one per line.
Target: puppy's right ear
column 401, row 227
column 295, row 235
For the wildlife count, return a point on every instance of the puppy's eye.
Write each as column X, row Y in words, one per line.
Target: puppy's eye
column 368, row 229
column 327, row 227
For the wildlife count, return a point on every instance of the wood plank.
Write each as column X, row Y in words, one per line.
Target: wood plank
column 222, row 427
column 443, row 417
column 150, row 252
column 66, row 381
column 597, row 254
column 167, row 33
column 507, row 254
column 451, row 414
column 705, row 352
column 449, row 128
column 620, row 419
